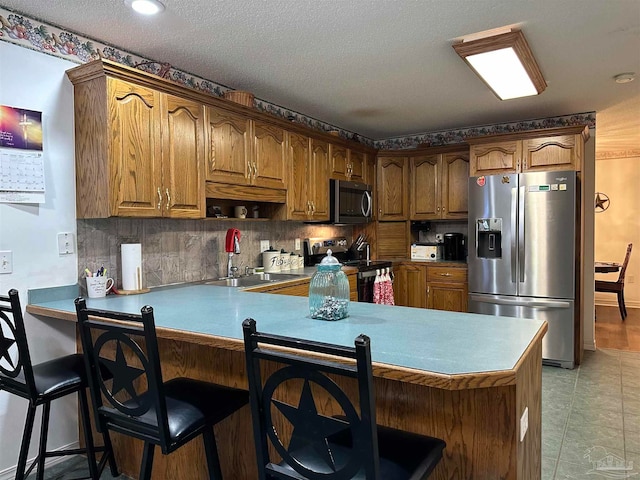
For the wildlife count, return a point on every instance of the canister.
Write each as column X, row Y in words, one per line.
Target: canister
column 293, row 261
column 285, row 264
column 329, row 290
column 271, row 260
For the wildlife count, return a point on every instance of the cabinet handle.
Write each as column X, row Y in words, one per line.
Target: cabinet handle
column 168, row 199
column 313, row 208
column 255, row 170
column 445, row 274
column 308, row 207
column 159, row 198
column 249, row 170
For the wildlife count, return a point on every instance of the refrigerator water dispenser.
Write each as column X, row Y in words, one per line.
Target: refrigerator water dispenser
column 489, row 237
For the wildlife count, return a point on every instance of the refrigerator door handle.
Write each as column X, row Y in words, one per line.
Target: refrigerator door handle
column 524, row 302
column 521, row 234
column 514, row 204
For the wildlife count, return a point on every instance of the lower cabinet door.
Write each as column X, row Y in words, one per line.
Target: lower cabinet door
column 447, row 296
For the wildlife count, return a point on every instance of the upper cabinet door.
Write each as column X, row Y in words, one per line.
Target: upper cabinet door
column 424, row 195
column 298, row 194
column 562, row 152
column 319, row 180
column 356, row 166
column 135, row 175
column 268, row 166
column 228, row 147
column 339, row 162
column 393, row 174
column 494, row 158
column 183, row 158
column 455, row 185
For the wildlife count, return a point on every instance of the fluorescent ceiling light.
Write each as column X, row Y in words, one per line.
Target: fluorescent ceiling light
column 146, row 7
column 505, row 63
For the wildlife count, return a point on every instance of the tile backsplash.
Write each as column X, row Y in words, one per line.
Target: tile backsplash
column 176, row 250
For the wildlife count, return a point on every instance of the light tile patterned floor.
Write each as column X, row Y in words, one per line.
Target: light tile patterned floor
column 591, row 418
column 589, row 414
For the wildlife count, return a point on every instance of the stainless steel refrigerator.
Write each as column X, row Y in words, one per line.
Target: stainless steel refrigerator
column 522, row 246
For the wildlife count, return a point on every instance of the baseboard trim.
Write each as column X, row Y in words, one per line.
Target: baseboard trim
column 614, row 303
column 10, row 473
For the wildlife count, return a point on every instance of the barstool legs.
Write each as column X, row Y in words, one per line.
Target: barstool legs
column 26, row 440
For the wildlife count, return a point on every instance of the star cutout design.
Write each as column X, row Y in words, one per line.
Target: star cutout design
column 602, row 201
column 5, row 346
column 123, row 374
column 309, row 427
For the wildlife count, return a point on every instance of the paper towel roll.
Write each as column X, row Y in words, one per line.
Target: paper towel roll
column 131, row 266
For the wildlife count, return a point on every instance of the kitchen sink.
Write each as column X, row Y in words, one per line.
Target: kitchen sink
column 253, row 280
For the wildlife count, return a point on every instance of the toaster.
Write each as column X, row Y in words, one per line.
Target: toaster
column 425, row 251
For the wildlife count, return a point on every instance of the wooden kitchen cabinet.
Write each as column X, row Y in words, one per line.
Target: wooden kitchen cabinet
column 139, row 151
column 347, row 164
column 308, row 193
column 410, row 285
column 269, row 155
column 392, row 187
column 555, row 149
column 447, row 288
column 229, row 147
column 438, row 186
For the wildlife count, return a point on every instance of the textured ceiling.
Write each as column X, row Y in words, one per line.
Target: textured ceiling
column 383, row 68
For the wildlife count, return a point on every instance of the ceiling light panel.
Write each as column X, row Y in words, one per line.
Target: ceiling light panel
column 146, row 7
column 505, row 63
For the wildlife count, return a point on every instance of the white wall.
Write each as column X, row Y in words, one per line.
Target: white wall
column 35, row 81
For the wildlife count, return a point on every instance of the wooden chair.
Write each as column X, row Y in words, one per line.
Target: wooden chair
column 314, row 446
column 40, row 384
column 617, row 287
column 134, row 400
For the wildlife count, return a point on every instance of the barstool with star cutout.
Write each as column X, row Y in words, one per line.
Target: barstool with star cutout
column 129, row 396
column 40, row 384
column 302, row 409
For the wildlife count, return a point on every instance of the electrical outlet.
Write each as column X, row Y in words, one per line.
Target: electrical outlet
column 264, row 245
column 297, row 247
column 439, row 238
column 524, row 423
column 6, row 261
column 66, row 243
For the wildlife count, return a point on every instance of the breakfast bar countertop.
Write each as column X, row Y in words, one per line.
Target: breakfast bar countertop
column 440, row 342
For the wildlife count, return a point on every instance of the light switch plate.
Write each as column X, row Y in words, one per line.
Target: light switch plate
column 66, row 243
column 264, row 245
column 524, row 423
column 6, row 261
column 297, row 247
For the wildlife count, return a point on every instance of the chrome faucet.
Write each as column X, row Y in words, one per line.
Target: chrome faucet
column 232, row 246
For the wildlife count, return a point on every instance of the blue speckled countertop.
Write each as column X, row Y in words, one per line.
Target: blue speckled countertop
column 430, row 340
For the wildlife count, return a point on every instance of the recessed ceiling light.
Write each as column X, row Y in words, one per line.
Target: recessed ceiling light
column 625, row 77
column 145, row 7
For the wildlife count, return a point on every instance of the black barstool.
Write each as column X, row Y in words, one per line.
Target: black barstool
column 312, row 445
column 41, row 384
column 133, row 400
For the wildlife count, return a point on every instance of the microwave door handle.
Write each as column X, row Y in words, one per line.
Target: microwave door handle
column 366, row 209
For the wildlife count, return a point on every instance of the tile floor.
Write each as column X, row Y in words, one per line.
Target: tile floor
column 591, row 418
column 589, row 414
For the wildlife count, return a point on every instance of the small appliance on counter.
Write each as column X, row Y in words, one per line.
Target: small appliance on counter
column 426, row 251
column 454, row 246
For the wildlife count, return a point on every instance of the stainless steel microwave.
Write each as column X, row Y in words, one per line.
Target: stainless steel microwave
column 349, row 202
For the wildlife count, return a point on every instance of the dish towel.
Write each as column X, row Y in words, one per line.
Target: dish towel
column 388, row 289
column 378, row 295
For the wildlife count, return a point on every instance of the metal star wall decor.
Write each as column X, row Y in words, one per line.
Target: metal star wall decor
column 602, row 202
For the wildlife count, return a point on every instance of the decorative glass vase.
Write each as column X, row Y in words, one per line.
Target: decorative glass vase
column 329, row 290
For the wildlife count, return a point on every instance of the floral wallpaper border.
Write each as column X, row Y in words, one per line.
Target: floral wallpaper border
column 49, row 39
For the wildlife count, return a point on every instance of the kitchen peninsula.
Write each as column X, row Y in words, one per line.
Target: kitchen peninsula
column 465, row 378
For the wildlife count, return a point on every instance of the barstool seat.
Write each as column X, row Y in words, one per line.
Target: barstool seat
column 40, row 384
column 135, row 401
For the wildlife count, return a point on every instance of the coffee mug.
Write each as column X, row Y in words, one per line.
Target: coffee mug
column 241, row 212
column 98, row 286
